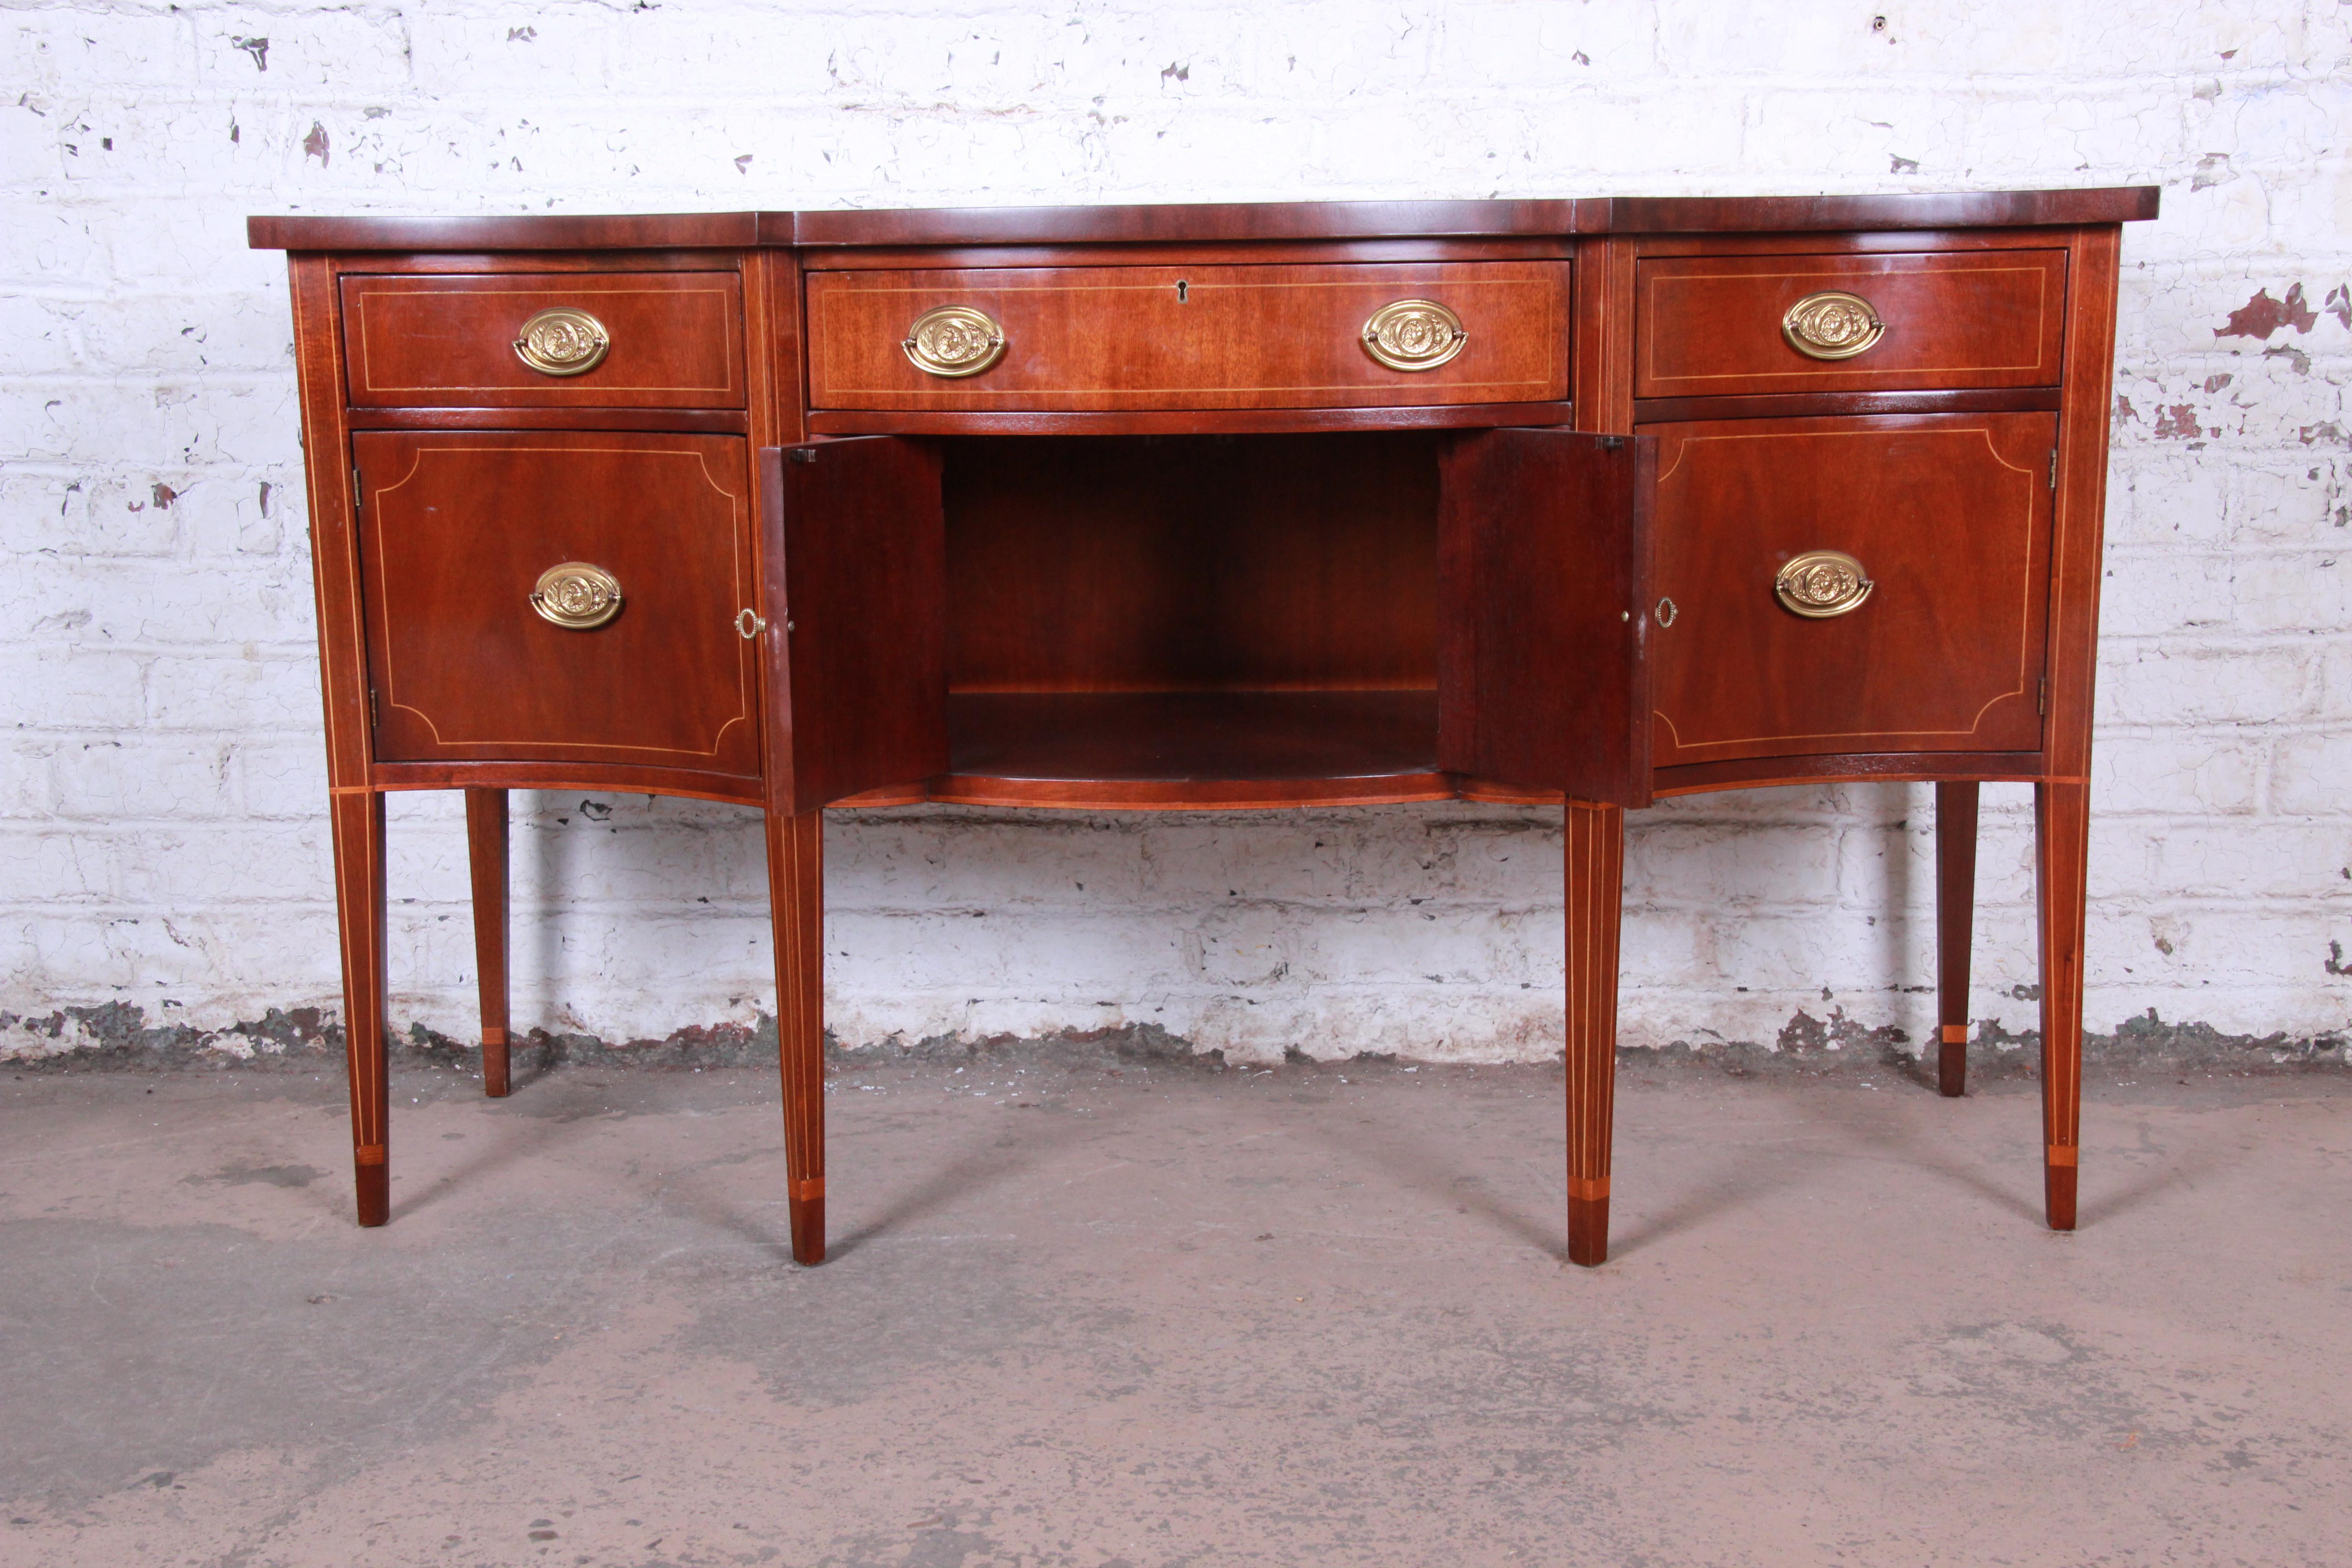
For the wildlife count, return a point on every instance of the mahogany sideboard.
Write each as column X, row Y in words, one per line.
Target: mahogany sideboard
column 1580, row 501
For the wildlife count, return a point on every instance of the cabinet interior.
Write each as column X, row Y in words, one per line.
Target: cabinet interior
column 1192, row 606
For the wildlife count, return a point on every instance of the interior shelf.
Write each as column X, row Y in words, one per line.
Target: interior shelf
column 1204, row 747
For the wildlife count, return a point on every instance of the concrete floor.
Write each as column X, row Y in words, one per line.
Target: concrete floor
column 1090, row 1314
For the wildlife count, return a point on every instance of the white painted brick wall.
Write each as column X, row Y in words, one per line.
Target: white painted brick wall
column 160, row 787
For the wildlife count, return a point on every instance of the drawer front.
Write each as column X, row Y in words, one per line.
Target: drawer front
column 1948, row 517
column 1075, row 339
column 1724, row 325
column 613, row 340
column 458, row 532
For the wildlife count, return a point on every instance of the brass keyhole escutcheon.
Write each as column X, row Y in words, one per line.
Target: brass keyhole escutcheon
column 577, row 597
column 563, row 342
column 954, row 340
column 1414, row 334
column 1832, row 325
column 1821, row 584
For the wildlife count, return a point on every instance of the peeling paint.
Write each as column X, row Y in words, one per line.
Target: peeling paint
column 2262, row 315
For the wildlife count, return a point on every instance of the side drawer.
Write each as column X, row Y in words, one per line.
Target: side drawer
column 1075, row 339
column 1722, row 325
column 458, row 531
column 1949, row 518
column 613, row 340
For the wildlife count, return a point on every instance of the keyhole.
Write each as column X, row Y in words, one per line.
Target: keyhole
column 1182, row 288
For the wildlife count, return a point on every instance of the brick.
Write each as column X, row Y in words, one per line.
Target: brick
column 2146, row 683
column 166, row 774
column 2177, row 773
column 72, row 689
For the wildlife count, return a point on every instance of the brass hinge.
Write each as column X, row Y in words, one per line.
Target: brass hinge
column 356, row 491
column 2054, row 468
column 2042, row 698
column 375, row 708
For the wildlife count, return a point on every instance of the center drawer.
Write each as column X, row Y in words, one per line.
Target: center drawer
column 1291, row 336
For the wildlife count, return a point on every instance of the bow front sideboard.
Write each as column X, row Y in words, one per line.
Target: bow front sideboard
column 1189, row 507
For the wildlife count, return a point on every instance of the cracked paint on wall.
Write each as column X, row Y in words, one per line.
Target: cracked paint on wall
column 160, row 775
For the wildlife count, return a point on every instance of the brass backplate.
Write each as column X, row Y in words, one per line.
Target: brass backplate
column 1821, row 584
column 563, row 342
column 1414, row 334
column 576, row 596
column 954, row 340
column 1832, row 324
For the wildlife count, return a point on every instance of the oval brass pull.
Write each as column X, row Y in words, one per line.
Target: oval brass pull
column 1667, row 612
column 749, row 624
column 1414, row 334
column 563, row 342
column 576, row 596
column 954, row 340
column 1821, row 584
column 1832, row 325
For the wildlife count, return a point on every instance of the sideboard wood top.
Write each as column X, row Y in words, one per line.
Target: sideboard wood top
column 1209, row 223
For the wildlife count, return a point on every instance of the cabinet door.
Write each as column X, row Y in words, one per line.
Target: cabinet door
column 1945, row 517
column 1543, row 582
column 857, row 626
column 480, row 650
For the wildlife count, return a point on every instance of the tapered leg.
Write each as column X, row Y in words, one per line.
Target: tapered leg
column 358, row 819
column 2061, row 828
column 1955, row 903
column 796, row 901
column 1596, row 879
column 486, row 851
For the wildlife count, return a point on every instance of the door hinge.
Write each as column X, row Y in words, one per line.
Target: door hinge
column 356, row 491
column 2041, row 697
column 2054, row 468
column 375, row 708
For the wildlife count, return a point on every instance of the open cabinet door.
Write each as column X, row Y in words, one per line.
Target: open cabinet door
column 1543, row 595
column 856, row 616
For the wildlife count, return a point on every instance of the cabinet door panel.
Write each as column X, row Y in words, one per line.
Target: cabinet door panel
column 455, row 531
column 1543, row 571
column 1948, row 516
column 858, row 627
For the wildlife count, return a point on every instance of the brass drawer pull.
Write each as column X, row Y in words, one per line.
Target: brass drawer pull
column 1667, row 613
column 1821, row 584
column 1414, row 334
column 954, row 340
column 1832, row 325
column 749, row 624
column 563, row 342
column 576, row 596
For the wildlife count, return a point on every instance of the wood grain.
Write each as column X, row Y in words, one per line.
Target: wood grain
column 1213, row 222
column 859, row 660
column 1956, row 899
column 458, row 528
column 1118, row 338
column 1184, row 422
column 796, row 897
column 2062, row 835
column 356, row 820
column 676, row 340
column 1594, row 838
column 1261, row 563
column 487, row 863
column 1192, row 737
column 1543, row 570
column 1950, row 514
column 1711, row 325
